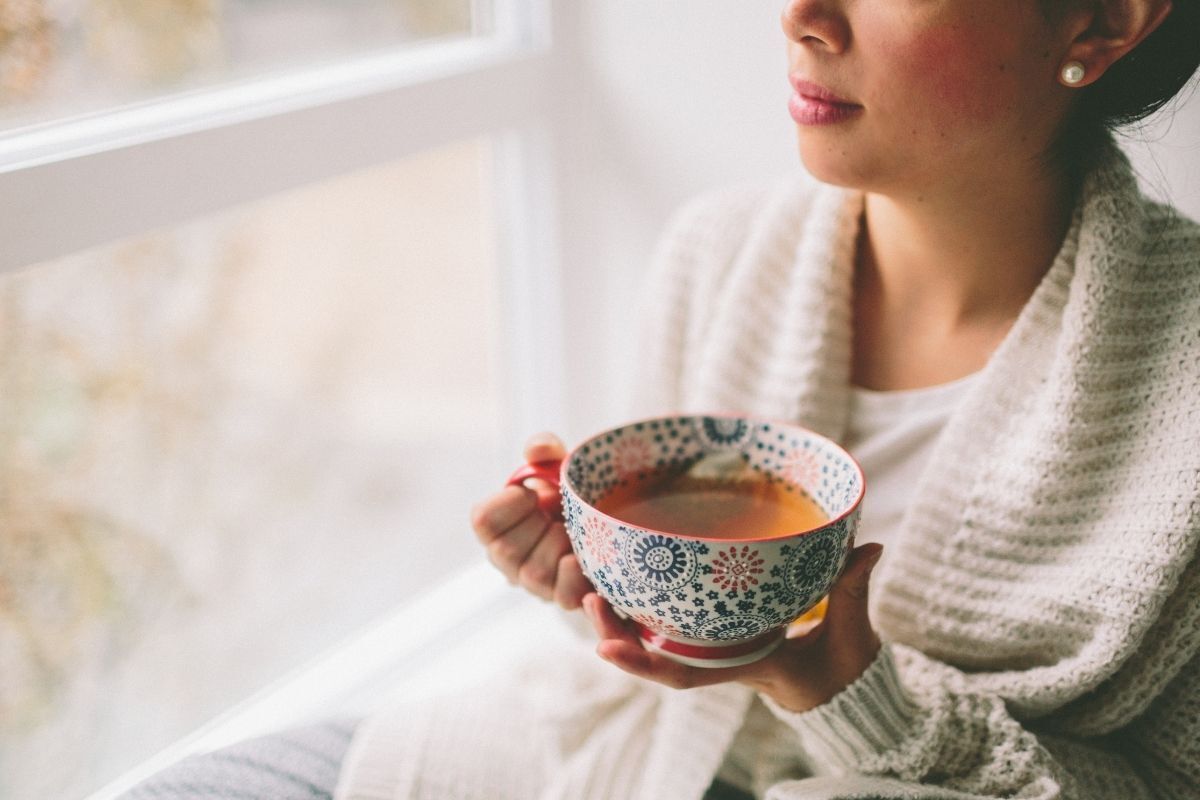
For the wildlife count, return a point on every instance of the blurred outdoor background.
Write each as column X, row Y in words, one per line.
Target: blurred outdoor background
column 213, row 437
column 229, row 442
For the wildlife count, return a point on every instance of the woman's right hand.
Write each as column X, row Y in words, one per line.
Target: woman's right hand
column 527, row 543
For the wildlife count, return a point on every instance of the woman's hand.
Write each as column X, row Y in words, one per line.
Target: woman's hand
column 522, row 529
column 803, row 673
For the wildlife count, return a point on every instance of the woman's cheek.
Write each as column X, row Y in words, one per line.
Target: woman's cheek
column 955, row 82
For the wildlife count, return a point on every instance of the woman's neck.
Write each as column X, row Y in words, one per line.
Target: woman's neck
column 965, row 255
column 941, row 276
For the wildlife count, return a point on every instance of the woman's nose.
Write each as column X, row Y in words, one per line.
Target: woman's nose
column 817, row 23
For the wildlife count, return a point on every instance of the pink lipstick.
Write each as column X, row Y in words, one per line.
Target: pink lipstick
column 813, row 104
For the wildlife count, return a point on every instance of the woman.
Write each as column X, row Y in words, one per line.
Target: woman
column 1040, row 605
column 977, row 302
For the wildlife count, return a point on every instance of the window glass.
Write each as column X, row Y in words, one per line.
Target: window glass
column 64, row 57
column 226, row 446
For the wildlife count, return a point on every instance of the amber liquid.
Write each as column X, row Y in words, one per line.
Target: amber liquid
column 751, row 507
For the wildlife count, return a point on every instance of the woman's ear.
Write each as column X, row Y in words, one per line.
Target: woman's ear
column 1103, row 31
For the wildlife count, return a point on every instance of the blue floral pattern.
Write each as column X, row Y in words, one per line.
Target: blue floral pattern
column 809, row 563
column 723, row 432
column 736, row 627
column 660, row 562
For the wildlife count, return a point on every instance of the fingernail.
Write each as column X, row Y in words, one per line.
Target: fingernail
column 871, row 564
column 864, row 577
column 874, row 560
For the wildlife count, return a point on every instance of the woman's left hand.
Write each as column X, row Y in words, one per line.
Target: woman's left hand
column 802, row 673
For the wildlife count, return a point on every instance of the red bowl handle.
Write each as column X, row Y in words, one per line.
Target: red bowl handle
column 548, row 471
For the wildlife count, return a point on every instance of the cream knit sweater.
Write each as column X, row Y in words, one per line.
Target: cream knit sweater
column 1041, row 605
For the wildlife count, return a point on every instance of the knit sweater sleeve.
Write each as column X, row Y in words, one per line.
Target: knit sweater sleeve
column 909, row 723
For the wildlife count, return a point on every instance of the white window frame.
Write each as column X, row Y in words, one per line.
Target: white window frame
column 70, row 185
column 78, row 183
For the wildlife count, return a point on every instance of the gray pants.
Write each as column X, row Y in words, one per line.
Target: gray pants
column 297, row 764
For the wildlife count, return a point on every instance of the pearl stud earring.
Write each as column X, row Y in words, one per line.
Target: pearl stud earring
column 1072, row 73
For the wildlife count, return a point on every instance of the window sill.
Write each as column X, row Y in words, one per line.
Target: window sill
column 427, row 647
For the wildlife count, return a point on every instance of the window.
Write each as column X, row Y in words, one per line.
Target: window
column 60, row 59
column 264, row 340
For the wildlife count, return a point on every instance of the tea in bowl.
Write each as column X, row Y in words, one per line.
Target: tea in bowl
column 711, row 533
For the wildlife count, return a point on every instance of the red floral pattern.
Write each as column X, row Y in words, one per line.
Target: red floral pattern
column 632, row 454
column 601, row 539
column 735, row 569
column 803, row 468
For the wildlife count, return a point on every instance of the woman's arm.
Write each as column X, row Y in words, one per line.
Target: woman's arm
column 906, row 722
column 894, row 723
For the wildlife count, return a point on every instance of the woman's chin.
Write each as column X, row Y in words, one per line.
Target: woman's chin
column 834, row 165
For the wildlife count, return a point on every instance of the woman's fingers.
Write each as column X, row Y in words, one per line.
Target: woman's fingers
column 497, row 514
column 549, row 501
column 528, row 548
column 606, row 622
column 522, row 530
column 620, row 645
column 538, row 572
column 509, row 550
column 847, row 618
column 544, row 446
column 619, row 642
column 570, row 585
column 509, row 525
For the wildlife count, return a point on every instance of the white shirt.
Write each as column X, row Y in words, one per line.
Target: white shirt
column 891, row 435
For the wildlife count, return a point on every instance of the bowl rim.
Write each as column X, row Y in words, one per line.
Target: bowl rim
column 566, row 483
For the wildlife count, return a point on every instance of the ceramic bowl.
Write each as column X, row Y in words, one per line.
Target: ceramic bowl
column 704, row 601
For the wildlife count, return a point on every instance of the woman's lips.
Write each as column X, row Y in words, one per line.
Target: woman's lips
column 813, row 104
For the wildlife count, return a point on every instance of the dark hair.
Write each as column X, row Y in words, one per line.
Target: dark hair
column 1134, row 87
column 1151, row 74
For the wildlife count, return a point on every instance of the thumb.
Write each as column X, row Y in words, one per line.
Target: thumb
column 848, row 599
column 544, row 446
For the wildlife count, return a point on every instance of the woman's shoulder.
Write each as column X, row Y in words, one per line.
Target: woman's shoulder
column 728, row 214
column 1134, row 230
column 1153, row 259
column 710, row 232
column 1138, row 259
column 1135, row 300
column 1170, row 242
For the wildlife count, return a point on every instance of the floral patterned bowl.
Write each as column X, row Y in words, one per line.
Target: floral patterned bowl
column 703, row 601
